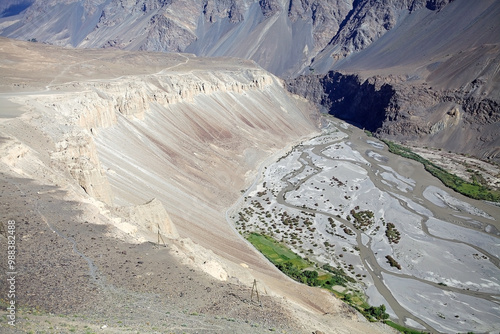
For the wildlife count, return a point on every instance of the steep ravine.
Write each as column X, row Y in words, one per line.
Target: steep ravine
column 459, row 120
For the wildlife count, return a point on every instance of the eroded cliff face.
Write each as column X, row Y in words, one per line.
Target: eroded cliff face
column 363, row 103
column 179, row 133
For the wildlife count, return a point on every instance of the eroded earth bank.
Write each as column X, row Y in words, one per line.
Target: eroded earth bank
column 118, row 169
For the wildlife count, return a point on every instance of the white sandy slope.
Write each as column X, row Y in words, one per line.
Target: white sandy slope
column 119, row 129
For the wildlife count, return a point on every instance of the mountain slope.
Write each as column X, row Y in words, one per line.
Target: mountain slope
column 107, row 158
column 432, row 80
column 281, row 36
column 439, row 58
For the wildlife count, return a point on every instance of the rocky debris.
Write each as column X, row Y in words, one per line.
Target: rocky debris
column 326, row 16
column 270, row 7
column 79, row 154
column 214, row 10
column 47, row 266
column 164, row 34
column 367, row 22
column 129, row 286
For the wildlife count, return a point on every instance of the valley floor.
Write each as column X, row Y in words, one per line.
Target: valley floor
column 342, row 199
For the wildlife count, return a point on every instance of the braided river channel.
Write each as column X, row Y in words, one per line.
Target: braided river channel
column 429, row 254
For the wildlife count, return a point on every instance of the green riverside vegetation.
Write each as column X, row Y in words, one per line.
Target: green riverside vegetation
column 303, row 271
column 402, row 329
column 473, row 190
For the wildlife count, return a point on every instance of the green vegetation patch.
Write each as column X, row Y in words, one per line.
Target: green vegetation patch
column 275, row 252
column 392, row 234
column 295, row 266
column 392, row 262
column 474, row 190
column 362, row 219
column 377, row 312
column 402, row 329
column 338, row 275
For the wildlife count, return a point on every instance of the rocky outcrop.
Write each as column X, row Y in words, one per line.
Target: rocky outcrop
column 269, row 7
column 345, row 96
column 150, row 216
column 166, row 34
column 457, row 120
column 78, row 153
column 326, row 17
column 367, row 22
column 100, row 104
column 214, row 10
column 437, row 4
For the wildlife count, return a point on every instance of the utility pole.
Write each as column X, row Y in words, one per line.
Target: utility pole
column 254, row 287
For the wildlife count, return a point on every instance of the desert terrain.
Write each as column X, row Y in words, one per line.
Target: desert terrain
column 132, row 179
column 118, row 169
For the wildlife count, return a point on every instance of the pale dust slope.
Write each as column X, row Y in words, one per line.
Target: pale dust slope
column 188, row 131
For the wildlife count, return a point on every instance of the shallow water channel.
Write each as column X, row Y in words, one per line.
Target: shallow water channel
column 446, row 246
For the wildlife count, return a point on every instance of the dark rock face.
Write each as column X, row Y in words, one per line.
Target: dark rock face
column 346, row 97
column 13, row 7
column 453, row 120
column 362, row 103
column 232, row 9
column 269, row 7
column 437, row 4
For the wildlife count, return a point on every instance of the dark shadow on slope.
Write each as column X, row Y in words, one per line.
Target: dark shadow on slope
column 346, row 97
column 355, row 5
column 68, row 265
column 355, row 102
column 15, row 9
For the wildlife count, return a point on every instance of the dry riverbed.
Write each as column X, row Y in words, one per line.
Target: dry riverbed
column 342, row 199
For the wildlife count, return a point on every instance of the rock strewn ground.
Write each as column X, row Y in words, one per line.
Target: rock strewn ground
column 136, row 286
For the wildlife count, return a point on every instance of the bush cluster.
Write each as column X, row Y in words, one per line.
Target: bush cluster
column 472, row 190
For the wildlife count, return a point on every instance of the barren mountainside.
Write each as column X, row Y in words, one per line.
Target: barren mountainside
column 134, row 133
column 105, row 160
column 282, row 36
column 431, row 80
column 438, row 60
